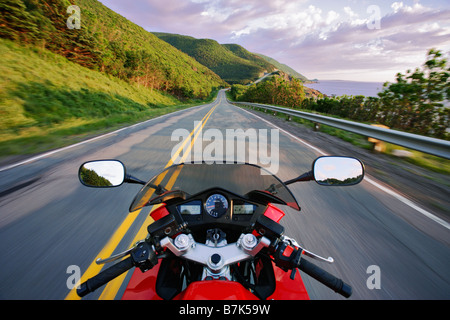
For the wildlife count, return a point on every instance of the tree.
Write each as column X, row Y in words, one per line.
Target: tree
column 416, row 101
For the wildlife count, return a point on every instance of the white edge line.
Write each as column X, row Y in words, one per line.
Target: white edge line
column 369, row 180
column 409, row 203
column 44, row 155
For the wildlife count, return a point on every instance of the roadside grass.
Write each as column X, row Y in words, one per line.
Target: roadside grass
column 47, row 102
column 424, row 160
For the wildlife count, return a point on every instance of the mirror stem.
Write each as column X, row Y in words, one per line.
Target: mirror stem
column 131, row 179
column 308, row 176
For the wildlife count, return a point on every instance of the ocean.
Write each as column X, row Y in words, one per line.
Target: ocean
column 350, row 88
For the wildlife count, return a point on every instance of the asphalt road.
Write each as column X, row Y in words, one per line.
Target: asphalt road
column 49, row 221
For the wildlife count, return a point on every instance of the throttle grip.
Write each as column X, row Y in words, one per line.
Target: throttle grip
column 325, row 278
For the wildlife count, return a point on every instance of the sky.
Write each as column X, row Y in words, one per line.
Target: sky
column 355, row 40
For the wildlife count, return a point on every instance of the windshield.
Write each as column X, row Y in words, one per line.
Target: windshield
column 193, row 178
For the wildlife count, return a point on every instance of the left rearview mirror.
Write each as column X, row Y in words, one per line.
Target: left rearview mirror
column 102, row 173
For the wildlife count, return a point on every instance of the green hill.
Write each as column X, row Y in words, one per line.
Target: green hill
column 247, row 55
column 232, row 63
column 59, row 86
column 47, row 101
column 106, row 42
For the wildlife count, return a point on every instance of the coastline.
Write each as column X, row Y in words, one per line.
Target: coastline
column 346, row 87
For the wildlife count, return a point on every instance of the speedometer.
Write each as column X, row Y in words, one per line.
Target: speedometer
column 216, row 205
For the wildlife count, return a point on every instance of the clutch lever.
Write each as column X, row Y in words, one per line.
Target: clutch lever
column 117, row 256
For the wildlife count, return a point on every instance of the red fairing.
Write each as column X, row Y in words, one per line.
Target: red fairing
column 288, row 289
column 142, row 285
column 216, row 290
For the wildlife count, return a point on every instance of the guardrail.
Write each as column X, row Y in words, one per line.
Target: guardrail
column 437, row 147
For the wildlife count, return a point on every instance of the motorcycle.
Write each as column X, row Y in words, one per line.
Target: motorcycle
column 216, row 233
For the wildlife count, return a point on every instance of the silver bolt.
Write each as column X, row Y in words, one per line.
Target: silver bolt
column 249, row 241
column 182, row 242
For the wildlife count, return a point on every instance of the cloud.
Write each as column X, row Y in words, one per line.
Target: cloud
column 348, row 49
column 317, row 38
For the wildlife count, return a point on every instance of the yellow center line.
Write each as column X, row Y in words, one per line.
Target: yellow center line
column 175, row 156
column 113, row 242
column 111, row 289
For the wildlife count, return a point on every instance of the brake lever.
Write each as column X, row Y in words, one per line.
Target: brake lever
column 317, row 257
column 307, row 252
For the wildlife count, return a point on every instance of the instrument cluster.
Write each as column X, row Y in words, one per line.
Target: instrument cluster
column 217, row 207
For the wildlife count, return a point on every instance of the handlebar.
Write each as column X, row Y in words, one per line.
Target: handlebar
column 325, row 278
column 142, row 256
column 292, row 259
column 105, row 276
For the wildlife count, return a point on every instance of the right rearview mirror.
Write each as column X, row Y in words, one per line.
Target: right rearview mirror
column 338, row 171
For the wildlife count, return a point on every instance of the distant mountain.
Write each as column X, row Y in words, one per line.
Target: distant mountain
column 231, row 62
column 284, row 68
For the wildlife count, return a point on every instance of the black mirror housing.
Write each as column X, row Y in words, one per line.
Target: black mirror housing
column 338, row 171
column 102, row 173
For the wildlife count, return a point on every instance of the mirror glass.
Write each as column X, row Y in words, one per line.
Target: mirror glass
column 103, row 173
column 338, row 171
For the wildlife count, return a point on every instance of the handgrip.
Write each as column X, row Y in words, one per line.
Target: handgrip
column 104, row 277
column 326, row 278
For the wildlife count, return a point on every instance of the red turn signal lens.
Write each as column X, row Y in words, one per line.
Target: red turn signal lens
column 274, row 213
column 159, row 212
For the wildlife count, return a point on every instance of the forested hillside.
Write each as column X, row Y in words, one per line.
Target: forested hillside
column 283, row 67
column 247, row 55
column 276, row 89
column 47, row 101
column 106, row 42
column 232, row 63
column 60, row 85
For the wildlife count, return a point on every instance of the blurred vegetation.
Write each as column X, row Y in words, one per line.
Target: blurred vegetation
column 47, row 101
column 59, row 85
column 415, row 103
column 106, row 42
